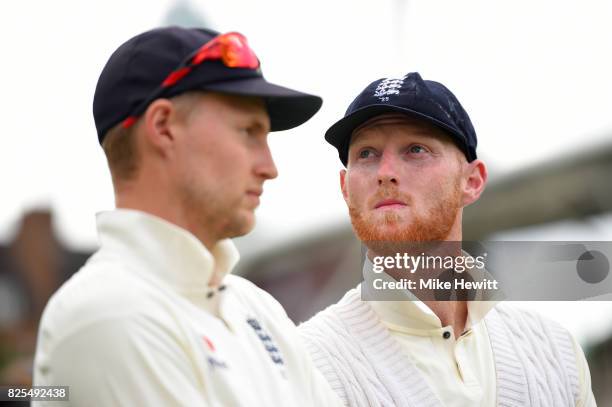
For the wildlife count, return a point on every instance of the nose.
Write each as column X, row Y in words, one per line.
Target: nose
column 387, row 169
column 265, row 167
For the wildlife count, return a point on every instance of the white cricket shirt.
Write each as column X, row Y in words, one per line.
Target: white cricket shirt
column 139, row 325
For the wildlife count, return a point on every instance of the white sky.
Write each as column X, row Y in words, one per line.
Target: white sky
column 534, row 77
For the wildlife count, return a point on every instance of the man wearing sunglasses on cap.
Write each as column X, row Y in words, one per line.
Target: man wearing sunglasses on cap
column 154, row 318
column 409, row 149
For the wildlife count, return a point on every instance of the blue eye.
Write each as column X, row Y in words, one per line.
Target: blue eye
column 417, row 149
column 365, row 153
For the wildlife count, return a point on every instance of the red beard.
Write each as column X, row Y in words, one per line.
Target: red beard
column 432, row 225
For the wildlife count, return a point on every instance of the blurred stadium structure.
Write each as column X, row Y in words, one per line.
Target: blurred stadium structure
column 308, row 274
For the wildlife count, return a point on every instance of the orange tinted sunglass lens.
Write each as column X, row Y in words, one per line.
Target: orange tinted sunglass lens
column 236, row 52
column 232, row 48
column 211, row 50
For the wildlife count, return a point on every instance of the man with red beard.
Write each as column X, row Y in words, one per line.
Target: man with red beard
column 409, row 149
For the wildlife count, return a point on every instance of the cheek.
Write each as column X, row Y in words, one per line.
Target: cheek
column 220, row 157
column 356, row 186
column 227, row 173
column 441, row 188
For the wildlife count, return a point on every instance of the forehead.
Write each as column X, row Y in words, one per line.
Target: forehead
column 235, row 106
column 246, row 104
column 394, row 123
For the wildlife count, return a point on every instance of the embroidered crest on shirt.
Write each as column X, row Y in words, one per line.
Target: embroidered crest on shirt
column 267, row 341
column 388, row 87
column 213, row 362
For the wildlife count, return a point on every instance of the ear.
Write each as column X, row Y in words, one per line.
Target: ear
column 476, row 173
column 343, row 185
column 156, row 123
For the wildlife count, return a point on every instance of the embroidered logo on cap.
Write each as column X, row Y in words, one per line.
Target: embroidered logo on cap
column 388, row 87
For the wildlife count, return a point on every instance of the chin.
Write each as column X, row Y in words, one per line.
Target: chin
column 392, row 220
column 395, row 232
column 242, row 225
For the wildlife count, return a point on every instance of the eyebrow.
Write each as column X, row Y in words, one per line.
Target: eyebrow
column 252, row 114
column 256, row 120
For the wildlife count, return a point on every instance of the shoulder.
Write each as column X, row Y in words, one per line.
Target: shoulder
column 102, row 290
column 528, row 319
column 542, row 341
column 533, row 327
column 106, row 315
column 139, row 348
column 350, row 305
column 331, row 329
column 335, row 340
column 258, row 305
column 253, row 297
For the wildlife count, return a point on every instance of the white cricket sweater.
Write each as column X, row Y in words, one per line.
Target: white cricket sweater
column 535, row 362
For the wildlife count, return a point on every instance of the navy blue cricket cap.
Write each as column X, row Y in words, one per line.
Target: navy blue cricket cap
column 424, row 99
column 133, row 75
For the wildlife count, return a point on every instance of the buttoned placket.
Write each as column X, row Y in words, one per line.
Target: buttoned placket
column 215, row 290
column 455, row 347
column 217, row 302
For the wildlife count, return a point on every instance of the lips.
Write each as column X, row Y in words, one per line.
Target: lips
column 389, row 203
column 253, row 196
column 255, row 192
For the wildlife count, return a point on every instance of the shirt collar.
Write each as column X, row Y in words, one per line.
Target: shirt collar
column 406, row 312
column 155, row 246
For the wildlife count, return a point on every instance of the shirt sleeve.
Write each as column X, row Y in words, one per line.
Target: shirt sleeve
column 585, row 391
column 131, row 361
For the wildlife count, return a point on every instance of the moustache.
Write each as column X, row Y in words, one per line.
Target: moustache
column 387, row 192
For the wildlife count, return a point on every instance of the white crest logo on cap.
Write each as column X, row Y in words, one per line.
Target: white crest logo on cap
column 388, row 87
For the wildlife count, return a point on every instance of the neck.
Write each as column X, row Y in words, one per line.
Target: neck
column 151, row 201
column 452, row 313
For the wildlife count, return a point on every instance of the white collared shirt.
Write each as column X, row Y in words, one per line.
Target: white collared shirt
column 139, row 325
